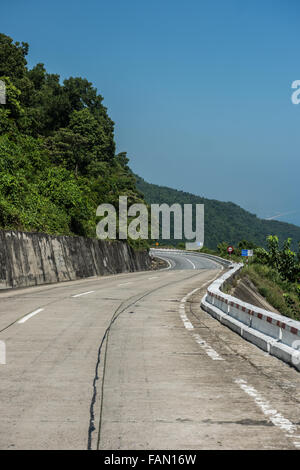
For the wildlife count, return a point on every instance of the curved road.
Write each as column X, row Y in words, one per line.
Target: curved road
column 185, row 260
column 130, row 361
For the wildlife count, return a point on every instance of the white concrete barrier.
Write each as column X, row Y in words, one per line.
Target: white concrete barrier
column 276, row 334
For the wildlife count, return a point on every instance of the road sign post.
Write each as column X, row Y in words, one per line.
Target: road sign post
column 230, row 250
column 247, row 253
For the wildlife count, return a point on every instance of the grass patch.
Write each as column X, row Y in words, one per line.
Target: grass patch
column 282, row 295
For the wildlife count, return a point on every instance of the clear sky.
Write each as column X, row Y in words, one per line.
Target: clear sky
column 200, row 91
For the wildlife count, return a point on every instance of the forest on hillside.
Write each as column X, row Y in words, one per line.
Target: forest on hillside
column 58, row 158
column 224, row 221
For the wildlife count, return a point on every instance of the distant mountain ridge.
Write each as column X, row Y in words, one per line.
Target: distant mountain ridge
column 224, row 221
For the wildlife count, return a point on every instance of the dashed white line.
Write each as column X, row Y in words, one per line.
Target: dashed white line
column 84, row 293
column 124, row 283
column 154, row 277
column 170, row 265
column 30, row 315
column 274, row 416
column 210, row 280
column 189, row 294
column 208, row 349
column 189, row 326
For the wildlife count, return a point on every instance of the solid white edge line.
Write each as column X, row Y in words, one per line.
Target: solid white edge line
column 194, row 267
column 272, row 414
column 208, row 349
column 30, row 315
column 189, row 326
column 164, row 259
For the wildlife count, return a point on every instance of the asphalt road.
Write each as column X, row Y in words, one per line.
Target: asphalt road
column 130, row 361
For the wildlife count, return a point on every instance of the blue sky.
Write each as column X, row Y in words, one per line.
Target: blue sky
column 200, row 91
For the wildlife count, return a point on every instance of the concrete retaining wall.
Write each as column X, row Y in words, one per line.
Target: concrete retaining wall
column 28, row 259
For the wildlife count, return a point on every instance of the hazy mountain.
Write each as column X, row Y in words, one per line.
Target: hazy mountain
column 224, row 221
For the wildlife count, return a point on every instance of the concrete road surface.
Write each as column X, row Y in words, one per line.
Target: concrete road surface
column 131, row 362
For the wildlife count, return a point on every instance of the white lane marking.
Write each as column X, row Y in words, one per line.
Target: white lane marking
column 185, row 319
column 125, row 283
column 208, row 349
column 154, row 277
column 210, row 280
column 30, row 315
column 84, row 293
column 189, row 326
column 194, row 267
column 189, row 294
column 168, row 261
column 274, row 416
column 297, row 443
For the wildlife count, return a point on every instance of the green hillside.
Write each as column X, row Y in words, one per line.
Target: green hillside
column 58, row 161
column 224, row 221
column 57, row 150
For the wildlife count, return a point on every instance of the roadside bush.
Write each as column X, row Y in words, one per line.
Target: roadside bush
column 282, row 295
